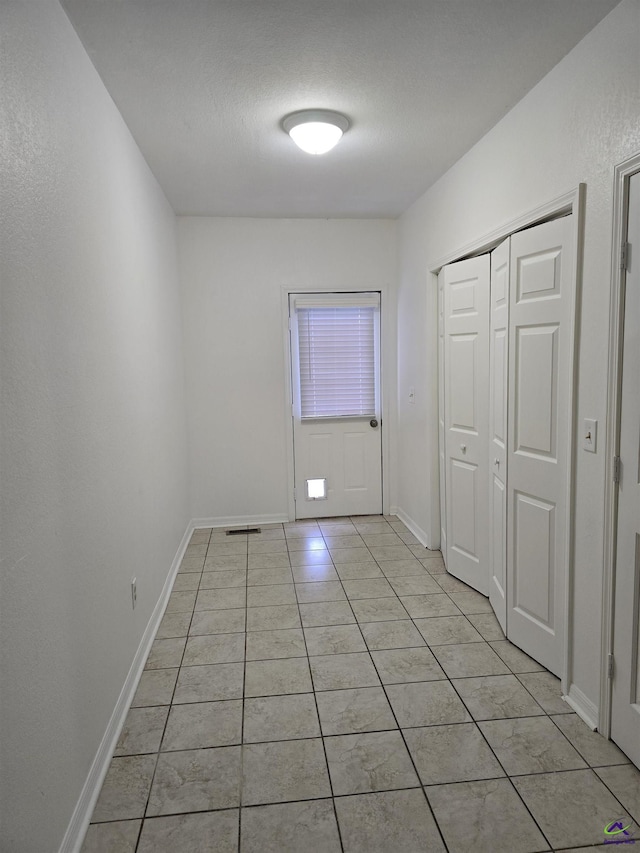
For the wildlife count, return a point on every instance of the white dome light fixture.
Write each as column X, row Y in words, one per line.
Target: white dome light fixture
column 315, row 131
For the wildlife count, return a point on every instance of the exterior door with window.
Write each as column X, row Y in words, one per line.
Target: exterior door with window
column 337, row 433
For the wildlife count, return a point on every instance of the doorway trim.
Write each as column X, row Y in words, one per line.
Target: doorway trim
column 386, row 344
column 571, row 202
column 622, row 175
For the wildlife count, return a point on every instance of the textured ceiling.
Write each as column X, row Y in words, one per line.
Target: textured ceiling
column 204, row 84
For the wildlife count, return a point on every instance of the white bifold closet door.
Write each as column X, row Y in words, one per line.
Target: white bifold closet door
column 498, row 383
column 507, row 376
column 466, row 415
column 541, row 311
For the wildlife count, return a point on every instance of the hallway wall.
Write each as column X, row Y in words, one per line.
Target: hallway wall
column 233, row 272
column 579, row 122
column 93, row 436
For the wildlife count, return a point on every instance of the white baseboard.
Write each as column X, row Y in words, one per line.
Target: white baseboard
column 415, row 528
column 583, row 707
column 79, row 823
column 240, row 520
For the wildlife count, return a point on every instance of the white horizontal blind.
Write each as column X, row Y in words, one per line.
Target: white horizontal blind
column 337, row 360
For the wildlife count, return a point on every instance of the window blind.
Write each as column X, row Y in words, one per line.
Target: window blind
column 337, row 359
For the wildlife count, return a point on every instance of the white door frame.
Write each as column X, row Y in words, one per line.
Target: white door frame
column 573, row 202
column 622, row 174
column 385, row 349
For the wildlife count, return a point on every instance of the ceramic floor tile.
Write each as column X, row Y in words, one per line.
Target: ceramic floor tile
column 487, row 625
column 367, row 588
column 291, row 828
column 363, row 709
column 209, row 683
column 232, row 561
column 546, row 690
column 471, row 602
column 448, row 583
column 224, row 579
column 380, row 540
column 195, row 550
column 314, row 574
column 530, row 745
column 592, row 746
column 378, row 609
column 571, row 808
column 451, row 753
column 155, row 688
column 484, row 817
column 447, row 630
column 268, row 645
column 273, row 617
column 191, row 564
column 320, row 591
column 272, row 677
column 624, row 782
column 116, row 837
column 196, row 780
column 269, row 577
column 515, row 659
column 307, row 543
column 310, row 559
column 334, row 639
column 358, row 571
column 415, row 585
column 270, row 546
column 400, row 634
column 268, row 561
column 270, row 595
column 402, row 568
column 372, row 761
column 217, row 622
column 434, row 567
column 174, row 625
column 186, row 582
column 429, row 703
column 204, row 724
column 284, row 770
column 390, row 552
column 214, row 648
column 337, row 672
column 221, row 599
column 142, row 731
column 469, row 659
column 420, row 606
column 494, row 697
column 340, row 556
column 166, row 654
column 206, row 832
column 280, row 718
column 226, row 548
column 349, row 541
column 326, row 613
column 200, row 536
column 388, row 822
column 125, row 788
column 397, row 666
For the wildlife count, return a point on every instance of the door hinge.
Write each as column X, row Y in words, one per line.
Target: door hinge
column 295, row 494
column 289, row 323
column 624, row 256
column 616, row 469
column 610, row 666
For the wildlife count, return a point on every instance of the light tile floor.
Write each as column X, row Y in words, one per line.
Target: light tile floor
column 326, row 686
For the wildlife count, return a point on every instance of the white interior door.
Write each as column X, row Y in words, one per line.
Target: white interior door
column 541, row 311
column 337, row 433
column 625, row 709
column 499, row 362
column 466, row 405
column 441, row 426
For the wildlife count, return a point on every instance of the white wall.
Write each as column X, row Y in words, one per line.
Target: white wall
column 233, row 272
column 93, row 433
column 580, row 121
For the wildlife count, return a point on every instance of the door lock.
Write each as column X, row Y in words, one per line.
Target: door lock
column 373, row 423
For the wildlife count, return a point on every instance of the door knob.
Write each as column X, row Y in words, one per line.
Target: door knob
column 373, row 423
column 496, row 461
column 463, row 448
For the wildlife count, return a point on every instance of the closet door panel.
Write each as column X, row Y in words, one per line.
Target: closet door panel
column 466, row 416
column 539, row 395
column 498, row 370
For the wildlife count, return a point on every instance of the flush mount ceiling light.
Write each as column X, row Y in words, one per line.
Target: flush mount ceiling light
column 315, row 131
